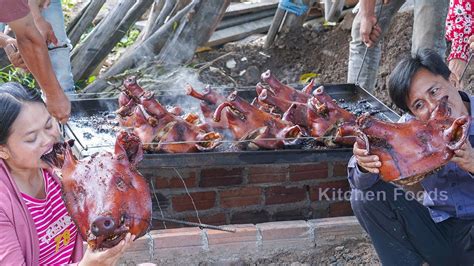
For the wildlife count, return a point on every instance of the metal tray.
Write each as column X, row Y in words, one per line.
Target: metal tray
column 93, row 138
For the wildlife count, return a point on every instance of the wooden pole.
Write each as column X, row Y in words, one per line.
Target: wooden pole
column 274, row 28
column 79, row 26
column 105, row 36
column 196, row 22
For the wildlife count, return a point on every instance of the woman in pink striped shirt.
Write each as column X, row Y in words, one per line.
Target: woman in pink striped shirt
column 35, row 228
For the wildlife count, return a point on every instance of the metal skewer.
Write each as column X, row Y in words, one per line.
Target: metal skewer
column 226, row 141
column 207, row 226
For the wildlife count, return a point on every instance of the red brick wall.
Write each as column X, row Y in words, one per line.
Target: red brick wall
column 250, row 194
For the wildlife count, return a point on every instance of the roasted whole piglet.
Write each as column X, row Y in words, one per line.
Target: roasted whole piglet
column 210, row 99
column 320, row 115
column 408, row 151
column 269, row 98
column 285, row 91
column 105, row 194
column 128, row 100
column 158, row 128
column 255, row 127
column 162, row 131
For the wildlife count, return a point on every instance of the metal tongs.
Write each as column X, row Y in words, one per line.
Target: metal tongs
column 63, row 127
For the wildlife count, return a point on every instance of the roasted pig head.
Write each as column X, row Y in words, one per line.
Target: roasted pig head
column 408, row 151
column 128, row 100
column 248, row 123
column 210, row 99
column 105, row 194
column 285, row 91
column 170, row 133
column 323, row 118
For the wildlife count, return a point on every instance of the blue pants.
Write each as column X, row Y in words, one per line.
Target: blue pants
column 60, row 54
column 403, row 233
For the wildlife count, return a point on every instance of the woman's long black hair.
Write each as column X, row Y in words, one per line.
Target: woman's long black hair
column 12, row 96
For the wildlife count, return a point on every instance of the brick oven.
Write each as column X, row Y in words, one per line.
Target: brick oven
column 236, row 187
column 252, row 193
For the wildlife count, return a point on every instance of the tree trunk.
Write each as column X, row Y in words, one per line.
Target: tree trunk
column 196, row 22
column 154, row 13
column 79, row 25
column 165, row 12
column 179, row 5
column 194, row 32
column 274, row 28
column 105, row 36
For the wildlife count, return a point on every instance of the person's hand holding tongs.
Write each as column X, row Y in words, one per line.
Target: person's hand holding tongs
column 370, row 30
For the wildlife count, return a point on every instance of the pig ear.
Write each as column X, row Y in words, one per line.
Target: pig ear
column 70, row 161
column 128, row 145
column 441, row 110
column 458, row 132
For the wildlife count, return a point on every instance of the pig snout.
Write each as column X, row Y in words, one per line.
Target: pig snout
column 103, row 226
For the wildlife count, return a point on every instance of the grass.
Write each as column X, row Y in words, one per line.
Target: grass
column 12, row 74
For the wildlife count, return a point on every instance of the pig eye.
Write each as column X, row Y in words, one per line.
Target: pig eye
column 122, row 219
column 121, row 184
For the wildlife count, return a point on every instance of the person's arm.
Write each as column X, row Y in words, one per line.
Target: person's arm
column 10, row 249
column 4, row 40
column 109, row 256
column 370, row 31
column 359, row 179
column 363, row 169
column 455, row 33
column 464, row 157
column 35, row 54
column 42, row 25
column 11, row 49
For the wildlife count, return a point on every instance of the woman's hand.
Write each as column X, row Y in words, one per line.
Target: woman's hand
column 106, row 257
column 368, row 163
column 464, row 157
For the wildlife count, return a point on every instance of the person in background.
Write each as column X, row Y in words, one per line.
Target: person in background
column 459, row 28
column 49, row 20
column 403, row 231
column 367, row 29
column 35, row 227
column 32, row 47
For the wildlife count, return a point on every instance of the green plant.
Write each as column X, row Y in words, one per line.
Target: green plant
column 68, row 9
column 129, row 38
column 12, row 74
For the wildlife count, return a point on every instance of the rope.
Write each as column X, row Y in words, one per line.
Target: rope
column 298, row 7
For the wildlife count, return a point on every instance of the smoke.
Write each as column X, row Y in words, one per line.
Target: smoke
column 169, row 85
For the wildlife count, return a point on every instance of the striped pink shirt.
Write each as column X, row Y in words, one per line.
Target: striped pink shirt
column 57, row 233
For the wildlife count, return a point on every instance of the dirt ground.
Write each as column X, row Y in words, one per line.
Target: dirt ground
column 313, row 49
column 348, row 253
